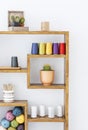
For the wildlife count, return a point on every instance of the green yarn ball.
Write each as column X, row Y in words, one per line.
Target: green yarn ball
column 14, row 123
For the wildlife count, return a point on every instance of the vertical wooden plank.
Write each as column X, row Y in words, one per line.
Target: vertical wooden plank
column 28, row 71
column 66, row 94
column 26, row 113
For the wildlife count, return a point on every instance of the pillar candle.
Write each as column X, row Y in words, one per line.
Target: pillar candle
column 42, row 111
column 59, row 110
column 33, row 111
column 51, row 112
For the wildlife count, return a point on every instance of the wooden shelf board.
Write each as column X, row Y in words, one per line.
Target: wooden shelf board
column 15, row 103
column 35, row 32
column 22, row 70
column 40, row 86
column 46, row 119
column 46, row 56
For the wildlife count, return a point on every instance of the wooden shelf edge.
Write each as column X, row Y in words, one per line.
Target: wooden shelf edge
column 15, row 103
column 46, row 119
column 46, row 56
column 35, row 32
column 40, row 86
column 22, row 70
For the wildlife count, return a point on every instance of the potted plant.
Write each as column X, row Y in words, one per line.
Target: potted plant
column 21, row 21
column 47, row 75
column 17, row 21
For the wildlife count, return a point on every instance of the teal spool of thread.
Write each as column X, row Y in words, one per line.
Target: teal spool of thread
column 42, row 48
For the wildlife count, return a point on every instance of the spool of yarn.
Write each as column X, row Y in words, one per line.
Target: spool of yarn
column 9, row 115
column 11, row 128
column 5, row 123
column 14, row 123
column 20, row 127
column 17, row 111
column 2, row 128
column 20, row 119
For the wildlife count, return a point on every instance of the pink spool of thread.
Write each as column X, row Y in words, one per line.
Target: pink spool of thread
column 9, row 115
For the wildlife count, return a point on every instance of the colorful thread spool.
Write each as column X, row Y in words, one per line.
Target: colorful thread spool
column 20, row 127
column 2, row 128
column 20, row 119
column 35, row 48
column 42, row 48
column 9, row 115
column 5, row 123
column 55, row 48
column 14, row 123
column 62, row 48
column 11, row 128
column 49, row 48
column 17, row 111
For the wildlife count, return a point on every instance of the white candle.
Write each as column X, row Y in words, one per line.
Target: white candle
column 59, row 110
column 42, row 110
column 33, row 111
column 51, row 112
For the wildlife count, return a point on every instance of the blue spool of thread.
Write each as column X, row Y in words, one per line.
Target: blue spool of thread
column 17, row 111
column 5, row 123
column 35, row 48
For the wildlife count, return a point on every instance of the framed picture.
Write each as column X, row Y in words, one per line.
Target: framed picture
column 15, row 18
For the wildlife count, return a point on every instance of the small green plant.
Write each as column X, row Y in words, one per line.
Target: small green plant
column 22, row 20
column 47, row 67
column 17, row 21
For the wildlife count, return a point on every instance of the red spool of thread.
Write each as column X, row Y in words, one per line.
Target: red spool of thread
column 62, row 48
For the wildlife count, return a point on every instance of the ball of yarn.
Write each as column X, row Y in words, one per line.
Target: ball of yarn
column 9, row 115
column 20, row 127
column 2, row 128
column 14, row 123
column 5, row 123
column 20, row 119
column 17, row 111
column 11, row 128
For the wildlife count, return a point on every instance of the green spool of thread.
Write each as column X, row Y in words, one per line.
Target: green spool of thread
column 14, row 123
column 11, row 128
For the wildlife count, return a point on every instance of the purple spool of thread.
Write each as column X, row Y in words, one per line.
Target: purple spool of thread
column 20, row 127
column 55, row 48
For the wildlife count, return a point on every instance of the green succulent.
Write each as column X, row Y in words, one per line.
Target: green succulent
column 17, row 19
column 47, row 67
column 22, row 20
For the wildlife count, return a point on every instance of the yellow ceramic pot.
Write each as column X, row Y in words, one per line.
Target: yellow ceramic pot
column 47, row 77
column 48, row 48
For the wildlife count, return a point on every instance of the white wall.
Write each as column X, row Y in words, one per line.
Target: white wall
column 63, row 15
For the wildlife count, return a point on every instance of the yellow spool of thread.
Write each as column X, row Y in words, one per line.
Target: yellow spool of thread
column 20, row 119
column 42, row 48
column 49, row 48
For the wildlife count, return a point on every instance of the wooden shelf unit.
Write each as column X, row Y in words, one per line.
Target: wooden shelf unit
column 20, row 103
column 36, row 86
column 46, row 119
